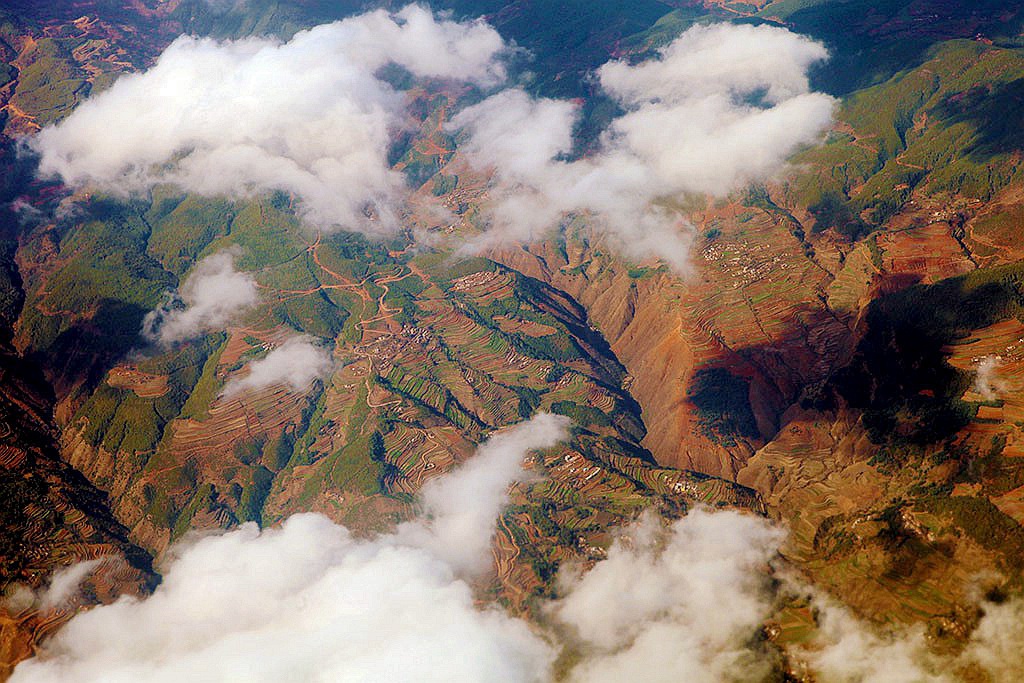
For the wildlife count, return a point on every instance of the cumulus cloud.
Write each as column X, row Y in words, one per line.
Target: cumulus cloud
column 212, row 296
column 683, row 603
column 689, row 602
column 297, row 363
column 306, row 602
column 986, row 379
column 310, row 602
column 309, row 116
column 719, row 107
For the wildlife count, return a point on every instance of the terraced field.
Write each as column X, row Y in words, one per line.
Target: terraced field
column 50, row 518
column 1001, row 410
column 429, row 358
column 733, row 386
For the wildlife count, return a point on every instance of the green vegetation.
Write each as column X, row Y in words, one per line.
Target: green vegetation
column 266, row 232
column 50, row 85
column 668, row 27
column 870, row 40
column 832, row 211
column 940, row 128
column 566, row 39
column 435, row 398
column 529, row 400
column 640, row 272
column 356, row 470
column 315, row 314
column 448, row 268
column 444, row 183
column 7, row 73
column 981, row 521
column 402, row 294
column 205, row 391
column 250, row 505
column 121, row 421
column 184, row 226
column 248, row 451
column 278, row 451
column 418, row 167
column 203, row 499
column 584, row 416
column 158, row 506
column 91, row 307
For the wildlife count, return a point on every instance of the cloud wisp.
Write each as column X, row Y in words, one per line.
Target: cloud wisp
column 63, row 587
column 458, row 532
column 720, row 107
column 986, row 378
column 997, row 644
column 310, row 116
column 847, row 649
column 689, row 601
column 212, row 296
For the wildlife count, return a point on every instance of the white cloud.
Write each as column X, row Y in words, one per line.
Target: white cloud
column 306, row 602
column 310, row 602
column 721, row 106
column 212, row 296
column 848, row 649
column 64, row 585
column 718, row 108
column 460, row 533
column 997, row 644
column 707, row 61
column 309, row 116
column 683, row 603
column 297, row 363
column 688, row 602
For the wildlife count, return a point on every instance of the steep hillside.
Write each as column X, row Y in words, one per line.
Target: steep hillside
column 50, row 517
column 430, row 354
column 824, row 348
column 842, row 356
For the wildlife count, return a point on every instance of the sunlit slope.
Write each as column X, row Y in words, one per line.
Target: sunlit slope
column 432, row 351
column 769, row 365
column 938, row 131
